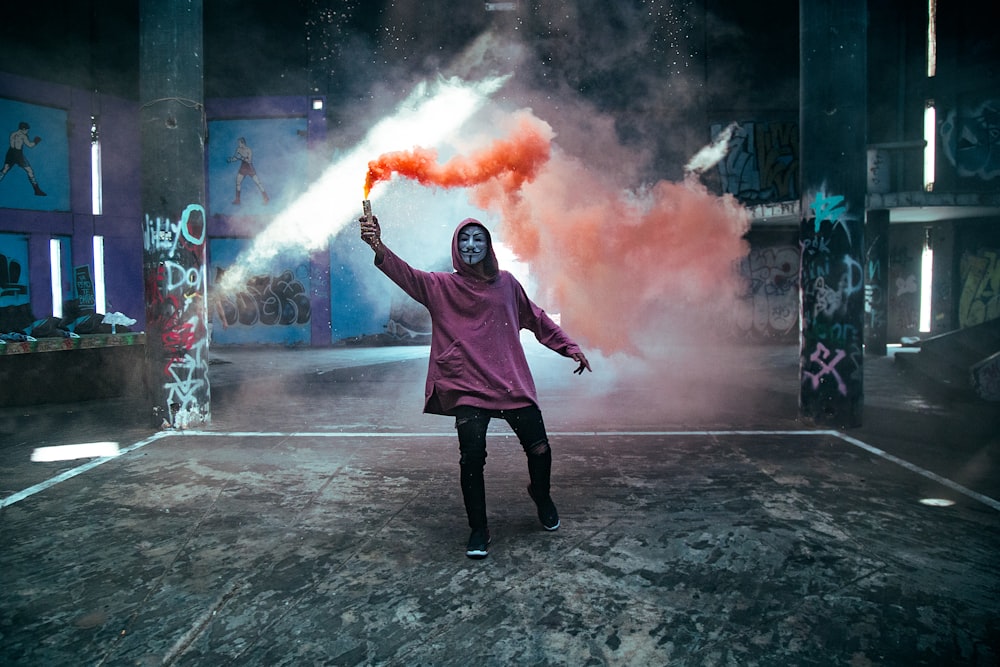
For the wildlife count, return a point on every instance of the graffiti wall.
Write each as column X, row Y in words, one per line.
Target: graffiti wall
column 832, row 282
column 762, row 164
column 876, row 274
column 35, row 172
column 770, row 308
column 905, row 248
column 977, row 246
column 970, row 139
column 175, row 289
column 272, row 307
column 979, row 273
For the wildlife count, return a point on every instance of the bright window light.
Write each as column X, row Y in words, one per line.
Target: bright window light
column 317, row 103
column 931, row 37
column 96, row 177
column 55, row 271
column 930, row 131
column 86, row 450
column 926, row 280
column 99, row 294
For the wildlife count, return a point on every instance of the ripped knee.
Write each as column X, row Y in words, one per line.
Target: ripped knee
column 540, row 448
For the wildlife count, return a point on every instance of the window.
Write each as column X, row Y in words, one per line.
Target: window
column 930, row 132
column 931, row 38
column 55, row 272
column 926, row 282
column 96, row 177
column 100, row 301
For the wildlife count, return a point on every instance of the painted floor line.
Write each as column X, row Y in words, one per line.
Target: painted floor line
column 954, row 486
column 69, row 474
column 451, row 433
column 79, row 470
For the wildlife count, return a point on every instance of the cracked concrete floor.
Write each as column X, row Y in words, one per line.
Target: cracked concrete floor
column 265, row 540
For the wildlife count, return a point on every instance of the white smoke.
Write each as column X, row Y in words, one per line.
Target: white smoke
column 712, row 154
column 426, row 118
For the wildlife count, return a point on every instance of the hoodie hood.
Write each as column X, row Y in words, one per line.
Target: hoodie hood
column 487, row 269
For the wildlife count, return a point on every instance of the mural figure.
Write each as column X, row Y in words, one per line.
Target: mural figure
column 15, row 155
column 244, row 155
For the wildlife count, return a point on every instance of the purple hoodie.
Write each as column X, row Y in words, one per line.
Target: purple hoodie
column 477, row 313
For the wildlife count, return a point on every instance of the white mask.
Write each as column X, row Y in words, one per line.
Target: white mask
column 473, row 242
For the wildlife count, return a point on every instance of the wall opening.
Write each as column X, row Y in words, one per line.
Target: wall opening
column 99, row 294
column 55, row 273
column 96, row 176
column 926, row 282
column 930, row 131
column 931, row 38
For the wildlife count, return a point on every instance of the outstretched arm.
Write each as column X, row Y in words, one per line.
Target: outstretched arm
column 547, row 332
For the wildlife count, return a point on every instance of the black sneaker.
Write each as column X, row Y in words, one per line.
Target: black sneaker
column 547, row 513
column 479, row 540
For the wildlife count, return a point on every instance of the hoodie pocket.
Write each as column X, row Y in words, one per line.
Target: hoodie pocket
column 451, row 363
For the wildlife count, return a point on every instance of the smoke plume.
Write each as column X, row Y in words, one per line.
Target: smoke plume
column 619, row 264
column 511, row 162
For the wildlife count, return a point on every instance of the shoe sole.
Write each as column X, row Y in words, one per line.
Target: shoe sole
column 548, row 528
column 479, row 554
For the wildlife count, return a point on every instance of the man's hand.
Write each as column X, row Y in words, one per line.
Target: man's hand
column 38, row 139
column 584, row 364
column 371, row 233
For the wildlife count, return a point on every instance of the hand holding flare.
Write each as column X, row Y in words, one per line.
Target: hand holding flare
column 371, row 233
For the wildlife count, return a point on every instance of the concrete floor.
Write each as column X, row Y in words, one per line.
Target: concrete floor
column 318, row 521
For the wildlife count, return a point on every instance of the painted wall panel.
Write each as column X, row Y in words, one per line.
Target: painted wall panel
column 35, row 174
column 270, row 164
column 272, row 307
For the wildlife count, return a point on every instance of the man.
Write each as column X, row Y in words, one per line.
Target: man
column 477, row 368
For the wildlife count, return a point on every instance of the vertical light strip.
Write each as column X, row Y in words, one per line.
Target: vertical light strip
column 55, row 271
column 96, row 175
column 99, row 294
column 931, row 38
column 930, row 133
column 926, row 282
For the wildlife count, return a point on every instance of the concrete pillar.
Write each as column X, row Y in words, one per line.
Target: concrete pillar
column 833, row 160
column 174, row 224
column 877, row 282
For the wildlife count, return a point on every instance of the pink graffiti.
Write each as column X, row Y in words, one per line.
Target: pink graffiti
column 821, row 357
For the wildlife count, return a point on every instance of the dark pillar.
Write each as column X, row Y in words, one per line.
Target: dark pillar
column 877, row 282
column 172, row 122
column 833, row 160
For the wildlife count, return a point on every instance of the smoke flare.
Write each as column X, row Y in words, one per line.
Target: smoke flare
column 512, row 161
column 622, row 266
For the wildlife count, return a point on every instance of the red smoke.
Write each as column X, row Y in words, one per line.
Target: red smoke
column 625, row 269
column 509, row 162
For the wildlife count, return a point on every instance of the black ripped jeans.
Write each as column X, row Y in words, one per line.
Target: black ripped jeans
column 472, row 424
